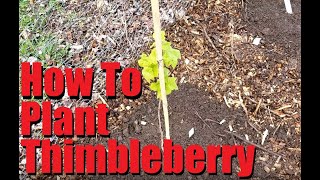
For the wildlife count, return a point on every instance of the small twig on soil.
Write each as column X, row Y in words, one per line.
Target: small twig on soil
column 210, row 41
column 160, row 128
column 244, row 108
column 259, row 132
column 246, row 111
column 277, row 161
column 257, row 108
column 249, row 142
column 295, row 149
column 270, row 115
column 232, row 34
column 212, row 120
column 225, row 100
column 283, row 107
column 103, row 101
column 276, row 130
column 209, row 125
column 265, row 106
column 234, row 140
column 242, row 105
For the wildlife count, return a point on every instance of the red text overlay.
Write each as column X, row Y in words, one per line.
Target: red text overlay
column 114, row 158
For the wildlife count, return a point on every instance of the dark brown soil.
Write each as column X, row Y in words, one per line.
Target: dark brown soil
column 184, row 106
column 270, row 21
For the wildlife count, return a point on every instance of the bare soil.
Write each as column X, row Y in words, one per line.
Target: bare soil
column 189, row 108
column 270, row 21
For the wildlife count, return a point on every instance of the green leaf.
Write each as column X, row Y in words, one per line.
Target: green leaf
column 166, row 45
column 166, row 72
column 166, row 60
column 144, row 61
column 155, row 86
column 171, row 57
column 155, row 70
column 148, row 74
column 171, row 85
column 153, row 56
column 150, row 66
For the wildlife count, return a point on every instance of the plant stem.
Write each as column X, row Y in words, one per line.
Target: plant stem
column 158, row 43
column 160, row 128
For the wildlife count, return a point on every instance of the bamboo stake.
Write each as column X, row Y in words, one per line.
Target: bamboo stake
column 158, row 43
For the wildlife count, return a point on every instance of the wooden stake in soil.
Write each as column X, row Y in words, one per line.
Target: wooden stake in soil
column 158, row 43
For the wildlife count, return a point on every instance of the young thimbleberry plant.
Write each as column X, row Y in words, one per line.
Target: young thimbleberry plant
column 150, row 69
